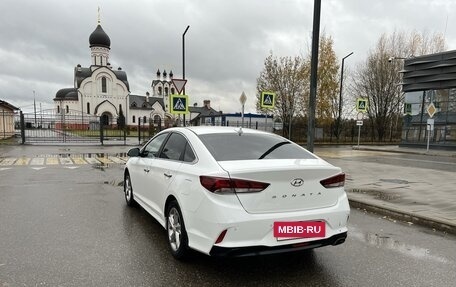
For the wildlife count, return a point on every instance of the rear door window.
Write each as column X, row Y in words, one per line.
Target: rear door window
column 189, row 155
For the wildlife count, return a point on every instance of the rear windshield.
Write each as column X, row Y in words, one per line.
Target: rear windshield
column 252, row 146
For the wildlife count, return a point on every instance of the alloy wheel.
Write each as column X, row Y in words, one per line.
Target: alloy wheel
column 174, row 229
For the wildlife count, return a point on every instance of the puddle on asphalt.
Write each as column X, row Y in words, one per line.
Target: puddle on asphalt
column 93, row 155
column 386, row 241
column 386, row 196
column 85, row 155
column 394, row 180
column 100, row 166
column 379, row 194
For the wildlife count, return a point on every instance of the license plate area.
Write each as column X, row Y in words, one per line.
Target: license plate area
column 287, row 230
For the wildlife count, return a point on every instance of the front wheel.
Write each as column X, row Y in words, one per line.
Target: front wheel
column 177, row 236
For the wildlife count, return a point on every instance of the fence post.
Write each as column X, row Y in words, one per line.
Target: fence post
column 101, row 130
column 4, row 124
column 139, row 130
column 125, row 135
column 22, row 128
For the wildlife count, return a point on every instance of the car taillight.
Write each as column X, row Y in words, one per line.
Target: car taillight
column 231, row 185
column 334, row 181
column 216, row 184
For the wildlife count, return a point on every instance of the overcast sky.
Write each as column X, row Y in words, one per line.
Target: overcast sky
column 42, row 41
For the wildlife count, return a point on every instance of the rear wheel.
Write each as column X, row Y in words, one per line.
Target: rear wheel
column 128, row 190
column 177, row 236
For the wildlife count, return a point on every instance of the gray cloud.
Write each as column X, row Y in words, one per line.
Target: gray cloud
column 42, row 41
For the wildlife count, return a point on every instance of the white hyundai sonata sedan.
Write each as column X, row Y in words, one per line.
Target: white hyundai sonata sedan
column 227, row 191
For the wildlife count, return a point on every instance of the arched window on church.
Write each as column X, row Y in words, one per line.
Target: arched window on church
column 144, row 119
column 134, row 119
column 159, row 91
column 103, row 85
column 67, row 109
column 58, row 109
column 172, row 91
column 88, row 108
column 166, row 91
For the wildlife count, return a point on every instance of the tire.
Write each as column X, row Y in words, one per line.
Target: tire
column 128, row 191
column 177, row 235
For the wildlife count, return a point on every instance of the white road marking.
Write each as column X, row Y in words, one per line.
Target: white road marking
column 37, row 161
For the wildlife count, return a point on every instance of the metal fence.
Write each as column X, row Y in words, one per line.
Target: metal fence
column 48, row 126
column 349, row 131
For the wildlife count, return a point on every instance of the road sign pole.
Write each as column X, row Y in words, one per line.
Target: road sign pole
column 429, row 133
column 266, row 122
column 267, row 101
column 242, row 99
column 429, row 128
column 242, row 116
column 359, row 134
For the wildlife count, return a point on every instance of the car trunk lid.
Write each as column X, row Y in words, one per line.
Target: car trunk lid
column 294, row 184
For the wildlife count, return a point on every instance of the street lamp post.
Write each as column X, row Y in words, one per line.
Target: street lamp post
column 340, row 96
column 183, row 60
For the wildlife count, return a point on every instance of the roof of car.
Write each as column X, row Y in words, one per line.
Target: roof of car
column 199, row 130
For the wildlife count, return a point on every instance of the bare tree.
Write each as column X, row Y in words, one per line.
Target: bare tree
column 284, row 76
column 378, row 78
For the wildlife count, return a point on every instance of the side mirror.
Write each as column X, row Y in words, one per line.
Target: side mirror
column 134, row 152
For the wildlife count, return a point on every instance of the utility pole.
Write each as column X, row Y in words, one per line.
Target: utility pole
column 313, row 75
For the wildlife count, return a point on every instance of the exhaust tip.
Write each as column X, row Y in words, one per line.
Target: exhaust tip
column 339, row 241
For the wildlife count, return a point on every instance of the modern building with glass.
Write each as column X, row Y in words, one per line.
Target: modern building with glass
column 429, row 84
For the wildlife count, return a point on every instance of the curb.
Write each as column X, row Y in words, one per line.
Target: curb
column 404, row 216
column 430, row 153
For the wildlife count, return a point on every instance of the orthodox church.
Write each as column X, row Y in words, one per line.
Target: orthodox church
column 101, row 91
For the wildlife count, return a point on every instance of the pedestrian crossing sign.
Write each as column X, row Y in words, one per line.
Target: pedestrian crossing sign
column 267, row 100
column 178, row 104
column 361, row 105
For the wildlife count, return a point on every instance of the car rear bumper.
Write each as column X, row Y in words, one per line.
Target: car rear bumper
column 266, row 250
column 254, row 232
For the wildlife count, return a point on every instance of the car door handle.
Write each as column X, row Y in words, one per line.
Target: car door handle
column 167, row 175
column 147, row 170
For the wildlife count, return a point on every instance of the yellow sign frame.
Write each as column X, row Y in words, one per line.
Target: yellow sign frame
column 359, row 108
column 263, row 98
column 173, row 103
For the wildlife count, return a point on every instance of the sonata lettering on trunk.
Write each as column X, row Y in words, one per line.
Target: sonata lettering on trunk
column 295, row 195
